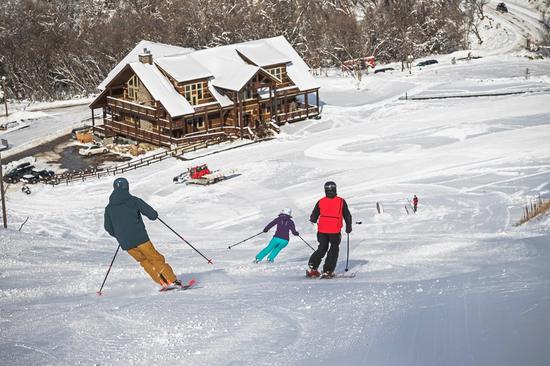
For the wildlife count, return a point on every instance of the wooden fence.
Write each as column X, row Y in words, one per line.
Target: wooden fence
column 534, row 208
column 80, row 176
column 180, row 146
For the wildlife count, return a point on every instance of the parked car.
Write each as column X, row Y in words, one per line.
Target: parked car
column 502, row 8
column 426, row 63
column 30, row 178
column 384, row 69
column 13, row 125
column 93, row 149
column 14, row 175
column 44, row 174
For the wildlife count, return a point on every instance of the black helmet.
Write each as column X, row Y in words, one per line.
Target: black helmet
column 330, row 189
column 121, row 183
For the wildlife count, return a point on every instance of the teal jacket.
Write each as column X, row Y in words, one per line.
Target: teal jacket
column 123, row 218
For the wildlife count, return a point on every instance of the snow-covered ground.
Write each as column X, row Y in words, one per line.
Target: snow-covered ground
column 47, row 121
column 454, row 284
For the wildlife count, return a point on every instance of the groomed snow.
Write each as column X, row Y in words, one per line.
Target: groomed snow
column 455, row 284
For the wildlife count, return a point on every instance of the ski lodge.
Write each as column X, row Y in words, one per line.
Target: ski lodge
column 170, row 96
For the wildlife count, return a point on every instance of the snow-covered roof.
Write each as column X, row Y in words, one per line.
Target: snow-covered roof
column 223, row 66
column 262, row 54
column 156, row 49
column 162, row 90
column 183, row 68
column 297, row 70
column 222, row 99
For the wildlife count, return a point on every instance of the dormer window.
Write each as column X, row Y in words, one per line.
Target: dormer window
column 194, row 92
column 277, row 72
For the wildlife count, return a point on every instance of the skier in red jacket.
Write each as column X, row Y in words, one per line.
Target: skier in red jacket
column 415, row 203
column 329, row 212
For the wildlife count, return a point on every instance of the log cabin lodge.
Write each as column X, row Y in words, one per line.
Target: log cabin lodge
column 171, row 96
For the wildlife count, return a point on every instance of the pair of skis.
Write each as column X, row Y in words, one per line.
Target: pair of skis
column 334, row 275
column 192, row 282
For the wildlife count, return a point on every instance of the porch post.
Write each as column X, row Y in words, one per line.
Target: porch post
column 236, row 111
column 170, row 119
column 135, row 128
column 317, row 96
column 206, row 121
column 307, row 106
column 239, row 97
column 158, row 126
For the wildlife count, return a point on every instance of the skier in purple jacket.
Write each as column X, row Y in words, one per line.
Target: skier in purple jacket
column 280, row 239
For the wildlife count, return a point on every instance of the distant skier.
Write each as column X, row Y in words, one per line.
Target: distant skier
column 124, row 222
column 280, row 239
column 415, row 203
column 328, row 214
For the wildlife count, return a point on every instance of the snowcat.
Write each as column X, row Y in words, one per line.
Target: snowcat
column 199, row 174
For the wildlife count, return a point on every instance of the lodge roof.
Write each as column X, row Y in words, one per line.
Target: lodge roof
column 161, row 89
column 227, row 67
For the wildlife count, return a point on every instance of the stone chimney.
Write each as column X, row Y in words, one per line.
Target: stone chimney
column 146, row 57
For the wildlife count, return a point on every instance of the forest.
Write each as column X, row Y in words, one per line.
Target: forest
column 59, row 49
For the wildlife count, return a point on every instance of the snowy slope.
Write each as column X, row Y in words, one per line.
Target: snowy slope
column 455, row 284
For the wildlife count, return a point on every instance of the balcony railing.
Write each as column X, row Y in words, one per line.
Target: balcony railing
column 301, row 113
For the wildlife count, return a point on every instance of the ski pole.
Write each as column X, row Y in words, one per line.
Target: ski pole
column 186, row 242
column 306, row 243
column 99, row 293
column 242, row 241
column 347, row 256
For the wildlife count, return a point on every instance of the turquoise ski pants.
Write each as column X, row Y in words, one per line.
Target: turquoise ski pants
column 273, row 248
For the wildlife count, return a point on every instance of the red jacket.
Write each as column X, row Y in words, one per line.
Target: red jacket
column 329, row 213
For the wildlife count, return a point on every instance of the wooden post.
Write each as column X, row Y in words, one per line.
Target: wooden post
column 4, row 215
column 307, row 105
column 184, row 126
column 317, row 97
column 5, row 94
column 206, row 121
column 171, row 133
column 239, row 98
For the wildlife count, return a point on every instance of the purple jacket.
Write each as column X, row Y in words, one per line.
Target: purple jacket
column 284, row 225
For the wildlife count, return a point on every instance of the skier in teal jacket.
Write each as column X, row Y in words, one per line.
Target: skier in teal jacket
column 123, row 220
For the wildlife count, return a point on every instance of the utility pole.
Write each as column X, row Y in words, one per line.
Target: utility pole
column 5, row 92
column 4, row 216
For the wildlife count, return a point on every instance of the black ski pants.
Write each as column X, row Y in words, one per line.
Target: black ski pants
column 332, row 257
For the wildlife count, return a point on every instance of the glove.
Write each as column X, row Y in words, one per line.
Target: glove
column 265, row 230
column 297, row 234
column 348, row 229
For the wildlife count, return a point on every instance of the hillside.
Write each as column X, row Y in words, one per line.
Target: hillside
column 454, row 284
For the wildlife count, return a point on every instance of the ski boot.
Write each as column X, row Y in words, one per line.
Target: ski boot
column 312, row 272
column 176, row 283
column 327, row 274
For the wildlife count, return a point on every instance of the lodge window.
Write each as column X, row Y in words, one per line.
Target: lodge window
column 248, row 94
column 196, row 122
column 194, row 92
column 277, row 72
column 133, row 87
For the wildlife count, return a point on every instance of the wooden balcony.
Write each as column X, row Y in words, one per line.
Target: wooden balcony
column 299, row 114
column 130, row 131
column 127, row 106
